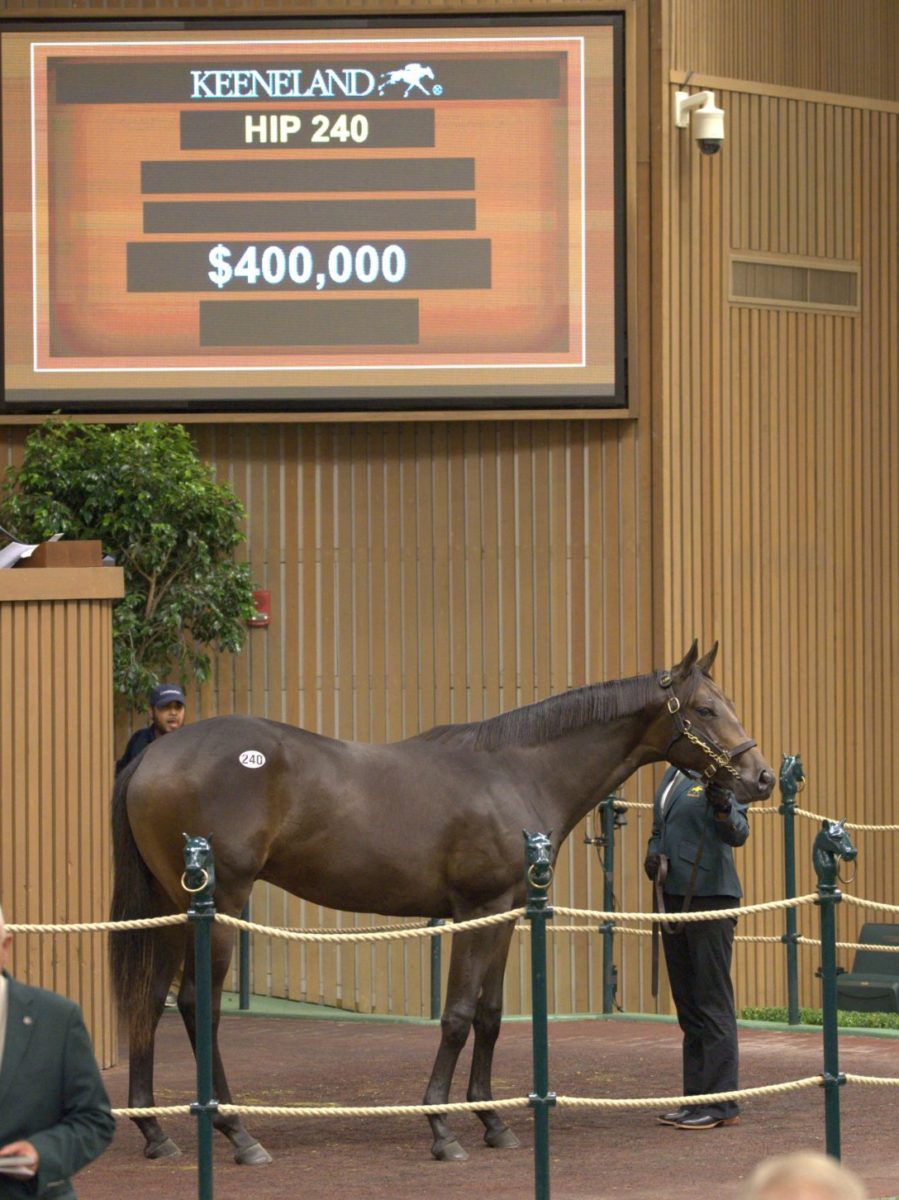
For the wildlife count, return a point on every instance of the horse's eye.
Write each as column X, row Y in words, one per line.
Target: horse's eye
column 703, row 710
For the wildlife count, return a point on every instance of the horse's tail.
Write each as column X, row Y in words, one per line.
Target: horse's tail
column 133, row 953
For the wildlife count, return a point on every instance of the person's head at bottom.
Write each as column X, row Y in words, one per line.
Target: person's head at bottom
column 805, row 1175
column 166, row 708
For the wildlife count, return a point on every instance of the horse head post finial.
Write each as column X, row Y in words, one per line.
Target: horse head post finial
column 832, row 842
column 792, row 778
column 199, row 868
column 538, row 865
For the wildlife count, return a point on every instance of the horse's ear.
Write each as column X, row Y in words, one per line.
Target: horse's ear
column 186, row 837
column 686, row 663
column 705, row 663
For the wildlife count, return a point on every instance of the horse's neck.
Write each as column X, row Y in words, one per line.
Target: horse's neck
column 582, row 766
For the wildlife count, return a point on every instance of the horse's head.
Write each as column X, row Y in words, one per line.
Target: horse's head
column 704, row 732
column 832, row 842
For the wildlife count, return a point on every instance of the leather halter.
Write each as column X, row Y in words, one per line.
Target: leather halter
column 719, row 757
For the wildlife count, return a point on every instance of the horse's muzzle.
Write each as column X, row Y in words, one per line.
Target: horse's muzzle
column 766, row 782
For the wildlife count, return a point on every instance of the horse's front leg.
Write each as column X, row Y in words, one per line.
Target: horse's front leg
column 248, row 1151
column 470, row 956
column 462, row 987
column 487, row 1019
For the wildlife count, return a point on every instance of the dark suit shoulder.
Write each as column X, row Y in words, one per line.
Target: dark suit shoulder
column 49, row 1002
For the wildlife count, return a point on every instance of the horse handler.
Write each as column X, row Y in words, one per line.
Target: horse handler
column 690, row 861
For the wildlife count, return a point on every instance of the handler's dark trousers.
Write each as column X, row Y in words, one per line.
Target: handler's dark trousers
column 698, row 958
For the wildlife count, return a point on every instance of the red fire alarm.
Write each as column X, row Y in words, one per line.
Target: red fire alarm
column 263, row 614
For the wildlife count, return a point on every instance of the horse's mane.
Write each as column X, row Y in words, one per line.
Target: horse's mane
column 545, row 720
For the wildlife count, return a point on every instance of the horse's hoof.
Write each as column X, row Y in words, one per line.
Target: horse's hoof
column 164, row 1149
column 501, row 1139
column 253, row 1156
column 448, row 1150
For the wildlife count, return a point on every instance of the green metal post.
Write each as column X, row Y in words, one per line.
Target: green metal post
column 539, row 875
column 243, row 968
column 436, row 989
column 607, row 811
column 829, row 896
column 792, row 778
column 199, row 880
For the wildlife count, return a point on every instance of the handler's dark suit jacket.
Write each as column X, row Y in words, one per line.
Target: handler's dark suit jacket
column 51, row 1093
column 677, row 831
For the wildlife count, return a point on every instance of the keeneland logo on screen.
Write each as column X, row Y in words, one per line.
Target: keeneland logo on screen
column 325, row 83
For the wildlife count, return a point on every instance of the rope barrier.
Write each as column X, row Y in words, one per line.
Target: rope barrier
column 877, row 1080
column 100, row 926
column 411, row 931
column 677, row 918
column 409, row 1110
column 362, row 935
column 894, row 908
column 768, row 810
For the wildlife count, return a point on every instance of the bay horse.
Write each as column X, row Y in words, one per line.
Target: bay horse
column 427, row 827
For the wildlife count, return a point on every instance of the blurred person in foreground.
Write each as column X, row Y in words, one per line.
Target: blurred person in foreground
column 805, row 1175
column 54, row 1112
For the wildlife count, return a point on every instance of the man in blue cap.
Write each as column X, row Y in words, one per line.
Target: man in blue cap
column 166, row 715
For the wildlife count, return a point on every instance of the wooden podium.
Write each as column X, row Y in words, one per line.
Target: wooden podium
column 56, row 769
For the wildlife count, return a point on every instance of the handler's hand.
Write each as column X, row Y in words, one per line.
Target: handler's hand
column 651, row 865
column 23, row 1150
column 720, row 797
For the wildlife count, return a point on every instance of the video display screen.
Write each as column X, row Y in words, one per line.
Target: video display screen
column 372, row 217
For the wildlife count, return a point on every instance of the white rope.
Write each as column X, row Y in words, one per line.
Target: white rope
column 871, row 904
column 877, row 1080
column 803, row 812
column 99, row 926
column 772, row 1089
column 712, row 915
column 767, row 810
column 409, row 1110
column 360, row 935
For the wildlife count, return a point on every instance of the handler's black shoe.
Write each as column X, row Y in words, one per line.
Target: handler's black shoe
column 675, row 1117
column 699, row 1121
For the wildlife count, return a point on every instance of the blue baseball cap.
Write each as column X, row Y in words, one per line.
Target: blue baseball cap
column 166, row 693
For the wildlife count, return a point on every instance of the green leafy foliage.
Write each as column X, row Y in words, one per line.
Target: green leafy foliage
column 142, row 491
column 813, row 1016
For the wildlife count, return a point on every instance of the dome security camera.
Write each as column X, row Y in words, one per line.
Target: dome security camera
column 708, row 119
column 708, row 128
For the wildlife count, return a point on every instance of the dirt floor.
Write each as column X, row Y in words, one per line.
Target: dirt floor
column 595, row 1155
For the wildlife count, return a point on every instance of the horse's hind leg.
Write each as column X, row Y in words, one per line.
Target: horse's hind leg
column 468, row 963
column 167, row 948
column 247, row 1150
column 487, row 1019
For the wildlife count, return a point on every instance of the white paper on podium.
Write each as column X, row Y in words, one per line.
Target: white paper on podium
column 11, row 554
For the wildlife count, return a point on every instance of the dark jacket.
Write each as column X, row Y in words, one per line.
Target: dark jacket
column 677, row 832
column 51, row 1093
column 137, row 744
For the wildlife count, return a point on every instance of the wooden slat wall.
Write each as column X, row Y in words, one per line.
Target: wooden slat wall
column 778, row 523
column 55, row 776
column 847, row 47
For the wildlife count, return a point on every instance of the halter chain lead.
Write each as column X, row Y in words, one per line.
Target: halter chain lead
column 720, row 759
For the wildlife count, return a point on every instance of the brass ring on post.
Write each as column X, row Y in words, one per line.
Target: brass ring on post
column 195, row 889
column 533, row 882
